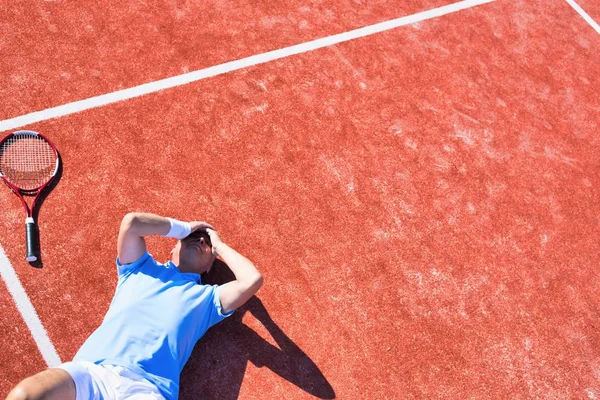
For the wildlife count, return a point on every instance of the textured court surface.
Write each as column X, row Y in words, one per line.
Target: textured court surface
column 423, row 202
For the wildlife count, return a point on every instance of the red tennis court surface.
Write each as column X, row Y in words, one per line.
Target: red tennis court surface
column 56, row 52
column 592, row 8
column 19, row 351
column 423, row 203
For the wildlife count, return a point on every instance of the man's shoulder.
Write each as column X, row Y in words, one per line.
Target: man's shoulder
column 146, row 261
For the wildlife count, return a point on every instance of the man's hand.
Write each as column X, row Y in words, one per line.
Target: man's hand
column 200, row 225
column 215, row 240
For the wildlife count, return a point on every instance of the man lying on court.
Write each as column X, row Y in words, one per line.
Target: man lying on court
column 158, row 313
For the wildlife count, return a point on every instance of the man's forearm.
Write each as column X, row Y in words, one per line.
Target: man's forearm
column 144, row 224
column 243, row 269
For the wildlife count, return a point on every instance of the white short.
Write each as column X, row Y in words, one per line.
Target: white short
column 106, row 382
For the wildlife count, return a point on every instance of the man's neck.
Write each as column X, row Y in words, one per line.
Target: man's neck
column 183, row 267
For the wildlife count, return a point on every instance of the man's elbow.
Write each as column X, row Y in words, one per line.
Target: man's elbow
column 259, row 281
column 256, row 282
column 128, row 221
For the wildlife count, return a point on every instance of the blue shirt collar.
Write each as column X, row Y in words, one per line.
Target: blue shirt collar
column 192, row 275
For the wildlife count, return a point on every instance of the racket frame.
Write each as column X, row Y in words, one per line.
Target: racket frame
column 29, row 221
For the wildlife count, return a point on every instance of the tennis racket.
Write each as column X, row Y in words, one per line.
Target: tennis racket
column 28, row 163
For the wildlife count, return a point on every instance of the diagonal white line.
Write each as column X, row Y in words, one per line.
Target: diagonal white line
column 151, row 87
column 28, row 312
column 584, row 15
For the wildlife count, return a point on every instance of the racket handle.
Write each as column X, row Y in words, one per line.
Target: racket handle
column 31, row 239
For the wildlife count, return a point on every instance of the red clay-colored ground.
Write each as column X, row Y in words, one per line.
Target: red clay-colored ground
column 423, row 203
column 54, row 52
column 592, row 8
column 20, row 355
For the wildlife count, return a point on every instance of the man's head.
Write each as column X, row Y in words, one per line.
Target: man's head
column 194, row 253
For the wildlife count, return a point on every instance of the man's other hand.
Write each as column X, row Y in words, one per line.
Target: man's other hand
column 215, row 239
column 200, row 225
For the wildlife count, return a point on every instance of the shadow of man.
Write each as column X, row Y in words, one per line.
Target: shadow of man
column 217, row 365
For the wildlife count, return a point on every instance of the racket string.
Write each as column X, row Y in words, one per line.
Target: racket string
column 27, row 161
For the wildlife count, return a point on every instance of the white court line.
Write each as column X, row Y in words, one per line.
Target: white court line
column 151, row 87
column 28, row 312
column 584, row 15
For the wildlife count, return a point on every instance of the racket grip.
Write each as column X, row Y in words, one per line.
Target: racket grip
column 31, row 240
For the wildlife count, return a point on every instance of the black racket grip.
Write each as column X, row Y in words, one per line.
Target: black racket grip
column 31, row 240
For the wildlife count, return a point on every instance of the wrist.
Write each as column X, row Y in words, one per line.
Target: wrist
column 179, row 229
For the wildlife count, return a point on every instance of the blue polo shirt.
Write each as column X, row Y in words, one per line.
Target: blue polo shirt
column 156, row 317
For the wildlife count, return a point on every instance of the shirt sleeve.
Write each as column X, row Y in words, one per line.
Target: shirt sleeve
column 218, row 314
column 124, row 270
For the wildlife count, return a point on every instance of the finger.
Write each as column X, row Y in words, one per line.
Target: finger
column 201, row 225
column 195, row 226
column 205, row 225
